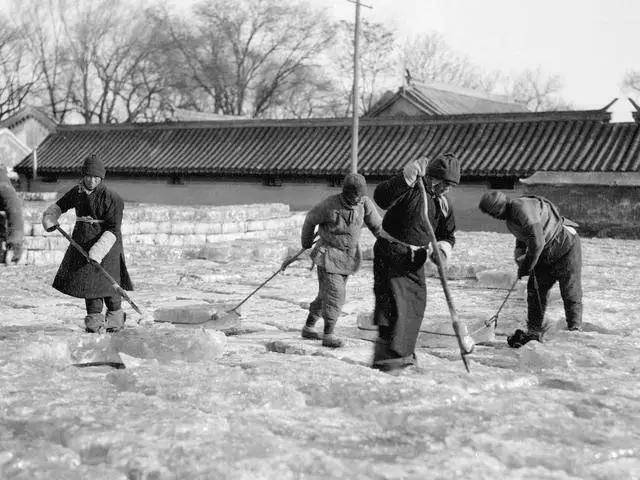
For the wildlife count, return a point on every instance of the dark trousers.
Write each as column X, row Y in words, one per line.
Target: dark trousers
column 401, row 296
column 332, row 288
column 560, row 261
column 94, row 305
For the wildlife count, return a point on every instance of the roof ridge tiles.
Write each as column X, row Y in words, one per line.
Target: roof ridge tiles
column 551, row 116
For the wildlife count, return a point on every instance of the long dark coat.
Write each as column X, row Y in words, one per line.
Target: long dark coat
column 399, row 283
column 76, row 277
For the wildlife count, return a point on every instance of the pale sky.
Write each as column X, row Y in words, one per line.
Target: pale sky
column 589, row 43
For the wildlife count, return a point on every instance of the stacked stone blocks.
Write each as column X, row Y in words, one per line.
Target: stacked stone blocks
column 161, row 230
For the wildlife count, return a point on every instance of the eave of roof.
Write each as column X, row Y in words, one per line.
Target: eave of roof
column 504, row 144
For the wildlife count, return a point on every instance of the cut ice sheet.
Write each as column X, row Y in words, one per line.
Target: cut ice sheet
column 162, row 344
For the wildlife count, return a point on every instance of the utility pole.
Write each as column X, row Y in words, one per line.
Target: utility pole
column 354, row 91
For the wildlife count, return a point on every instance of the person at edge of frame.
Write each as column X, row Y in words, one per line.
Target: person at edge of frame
column 11, row 221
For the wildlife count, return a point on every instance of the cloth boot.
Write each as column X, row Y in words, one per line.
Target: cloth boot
column 94, row 322
column 520, row 337
column 331, row 341
column 308, row 331
column 114, row 320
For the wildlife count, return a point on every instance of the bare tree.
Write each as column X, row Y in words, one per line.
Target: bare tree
column 377, row 61
column 108, row 44
column 430, row 58
column 242, row 56
column 302, row 98
column 537, row 90
column 44, row 37
column 631, row 83
column 17, row 77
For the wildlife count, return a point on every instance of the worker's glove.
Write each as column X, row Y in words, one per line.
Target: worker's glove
column 445, row 251
column 50, row 217
column 287, row 261
column 14, row 252
column 523, row 271
column 416, row 168
column 102, row 246
column 417, row 257
column 50, row 223
column 519, row 253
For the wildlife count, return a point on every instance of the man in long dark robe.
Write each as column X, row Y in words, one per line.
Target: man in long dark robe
column 547, row 250
column 97, row 230
column 11, row 221
column 401, row 251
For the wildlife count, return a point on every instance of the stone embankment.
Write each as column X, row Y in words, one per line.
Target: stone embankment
column 163, row 231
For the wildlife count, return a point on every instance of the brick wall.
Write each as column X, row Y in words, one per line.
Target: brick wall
column 601, row 210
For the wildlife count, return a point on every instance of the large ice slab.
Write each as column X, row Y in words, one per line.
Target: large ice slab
column 163, row 343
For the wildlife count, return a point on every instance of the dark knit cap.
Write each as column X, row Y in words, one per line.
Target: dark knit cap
column 493, row 203
column 354, row 184
column 445, row 167
column 93, row 167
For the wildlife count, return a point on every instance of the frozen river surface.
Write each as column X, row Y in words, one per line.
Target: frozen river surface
column 264, row 404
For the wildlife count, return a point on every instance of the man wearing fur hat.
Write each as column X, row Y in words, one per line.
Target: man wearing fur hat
column 547, row 250
column 401, row 251
column 11, row 222
column 337, row 254
column 97, row 231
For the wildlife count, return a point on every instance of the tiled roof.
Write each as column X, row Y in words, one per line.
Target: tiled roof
column 440, row 99
column 514, row 144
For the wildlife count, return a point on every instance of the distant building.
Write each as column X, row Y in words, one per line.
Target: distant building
column 419, row 98
column 12, row 150
column 298, row 162
column 30, row 125
column 21, row 133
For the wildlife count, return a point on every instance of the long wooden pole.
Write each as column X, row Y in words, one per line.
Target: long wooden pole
column 465, row 342
column 355, row 90
column 101, row 269
column 355, row 93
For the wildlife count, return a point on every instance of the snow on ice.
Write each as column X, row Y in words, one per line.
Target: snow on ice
column 162, row 401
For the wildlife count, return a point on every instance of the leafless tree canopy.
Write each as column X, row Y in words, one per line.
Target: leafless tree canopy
column 538, row 91
column 631, row 84
column 17, row 76
column 430, row 58
column 109, row 61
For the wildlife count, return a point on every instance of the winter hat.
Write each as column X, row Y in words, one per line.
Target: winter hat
column 445, row 167
column 493, row 203
column 93, row 167
column 354, row 184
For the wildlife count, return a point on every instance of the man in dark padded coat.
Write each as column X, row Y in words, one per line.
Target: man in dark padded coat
column 400, row 253
column 339, row 219
column 97, row 230
column 11, row 221
column 547, row 250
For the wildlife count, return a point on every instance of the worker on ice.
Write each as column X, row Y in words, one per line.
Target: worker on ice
column 97, row 231
column 401, row 251
column 337, row 254
column 11, row 221
column 547, row 250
